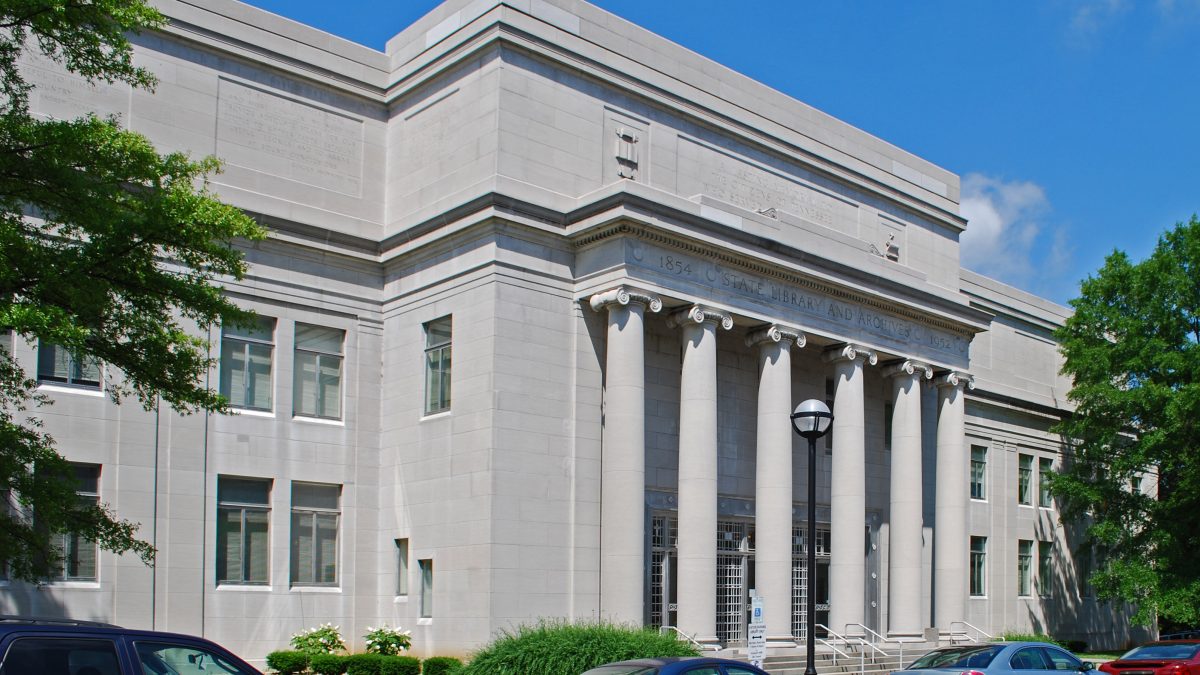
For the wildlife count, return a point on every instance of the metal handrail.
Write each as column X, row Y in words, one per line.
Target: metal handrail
column 846, row 640
column 871, row 643
column 964, row 633
column 690, row 638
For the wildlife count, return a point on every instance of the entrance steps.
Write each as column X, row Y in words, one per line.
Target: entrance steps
column 853, row 659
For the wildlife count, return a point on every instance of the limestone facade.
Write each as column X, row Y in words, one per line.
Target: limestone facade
column 580, row 275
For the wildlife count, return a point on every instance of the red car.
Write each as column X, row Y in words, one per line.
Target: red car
column 1170, row 657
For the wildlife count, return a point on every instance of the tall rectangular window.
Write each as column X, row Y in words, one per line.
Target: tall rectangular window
column 401, row 567
column 317, row 389
column 243, row 530
column 438, row 335
column 1045, row 467
column 887, row 426
column 978, row 567
column 1024, row 479
column 1045, row 568
column 56, row 364
column 830, row 394
column 1024, row 567
column 315, row 514
column 426, row 567
column 978, row 472
column 246, row 364
column 79, row 555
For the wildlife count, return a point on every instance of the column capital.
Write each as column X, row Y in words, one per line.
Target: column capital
column 851, row 352
column 955, row 378
column 909, row 367
column 700, row 314
column 623, row 295
column 776, row 333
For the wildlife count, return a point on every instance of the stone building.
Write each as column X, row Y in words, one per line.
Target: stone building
column 541, row 291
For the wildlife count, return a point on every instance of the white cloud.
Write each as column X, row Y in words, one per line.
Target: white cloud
column 1090, row 16
column 1006, row 236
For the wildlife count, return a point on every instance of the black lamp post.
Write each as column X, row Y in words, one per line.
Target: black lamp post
column 811, row 420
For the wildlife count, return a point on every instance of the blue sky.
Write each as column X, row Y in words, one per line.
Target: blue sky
column 1075, row 124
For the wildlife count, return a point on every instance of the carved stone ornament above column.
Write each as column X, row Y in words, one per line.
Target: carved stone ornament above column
column 956, row 378
column 623, row 295
column 851, row 352
column 909, row 367
column 776, row 333
column 700, row 314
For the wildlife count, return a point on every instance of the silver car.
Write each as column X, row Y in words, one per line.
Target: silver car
column 994, row 658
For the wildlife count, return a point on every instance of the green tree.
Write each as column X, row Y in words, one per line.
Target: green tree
column 107, row 249
column 1133, row 349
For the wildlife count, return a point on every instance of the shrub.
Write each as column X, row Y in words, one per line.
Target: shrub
column 387, row 641
column 399, row 665
column 1013, row 636
column 557, row 647
column 1077, row 646
column 328, row 664
column 324, row 639
column 363, row 664
column 441, row 665
column 287, row 662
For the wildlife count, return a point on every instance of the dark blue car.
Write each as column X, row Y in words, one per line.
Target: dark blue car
column 61, row 647
column 677, row 665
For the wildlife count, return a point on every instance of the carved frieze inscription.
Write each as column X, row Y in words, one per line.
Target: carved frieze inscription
column 64, row 95
column 755, row 188
column 266, row 132
column 809, row 308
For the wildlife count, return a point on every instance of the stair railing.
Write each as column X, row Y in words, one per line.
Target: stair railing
column 702, row 646
column 962, row 632
column 875, row 636
column 844, row 640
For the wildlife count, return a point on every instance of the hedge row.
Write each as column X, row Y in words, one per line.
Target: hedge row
column 293, row 663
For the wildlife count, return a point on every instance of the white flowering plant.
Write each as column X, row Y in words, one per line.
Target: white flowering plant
column 387, row 641
column 324, row 639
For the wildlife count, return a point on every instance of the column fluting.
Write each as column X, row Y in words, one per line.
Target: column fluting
column 951, row 542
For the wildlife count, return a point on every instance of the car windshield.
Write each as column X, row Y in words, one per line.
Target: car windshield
column 622, row 670
column 958, row 657
column 1172, row 652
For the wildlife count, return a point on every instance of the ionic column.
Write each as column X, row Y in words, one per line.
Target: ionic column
column 623, row 458
column 697, row 553
column 904, row 543
column 950, row 535
column 848, row 489
column 773, row 479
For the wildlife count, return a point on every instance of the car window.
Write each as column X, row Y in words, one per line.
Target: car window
column 738, row 670
column 1029, row 658
column 61, row 656
column 1166, row 652
column 621, row 670
column 1060, row 660
column 704, row 670
column 958, row 657
column 164, row 658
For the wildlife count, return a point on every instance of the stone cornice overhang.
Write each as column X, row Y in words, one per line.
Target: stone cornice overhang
column 636, row 210
column 982, row 394
column 504, row 27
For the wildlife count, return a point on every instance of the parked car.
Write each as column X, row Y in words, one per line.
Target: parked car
column 994, row 658
column 1166, row 657
column 61, row 647
column 678, row 665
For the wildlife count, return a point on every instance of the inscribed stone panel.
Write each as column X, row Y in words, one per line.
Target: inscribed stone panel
column 737, row 181
column 290, row 139
column 63, row 95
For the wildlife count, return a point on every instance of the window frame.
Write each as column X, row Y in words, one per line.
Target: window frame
column 1045, row 569
column 320, row 358
column 313, row 512
column 1045, row 467
column 74, row 365
column 1024, row 568
column 68, row 544
column 425, row 565
column 977, row 567
column 402, row 567
column 243, row 507
column 978, row 473
column 246, row 342
column 1024, row 480
column 438, row 401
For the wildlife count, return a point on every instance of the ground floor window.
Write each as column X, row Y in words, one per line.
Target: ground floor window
column 978, row 566
column 1024, row 564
